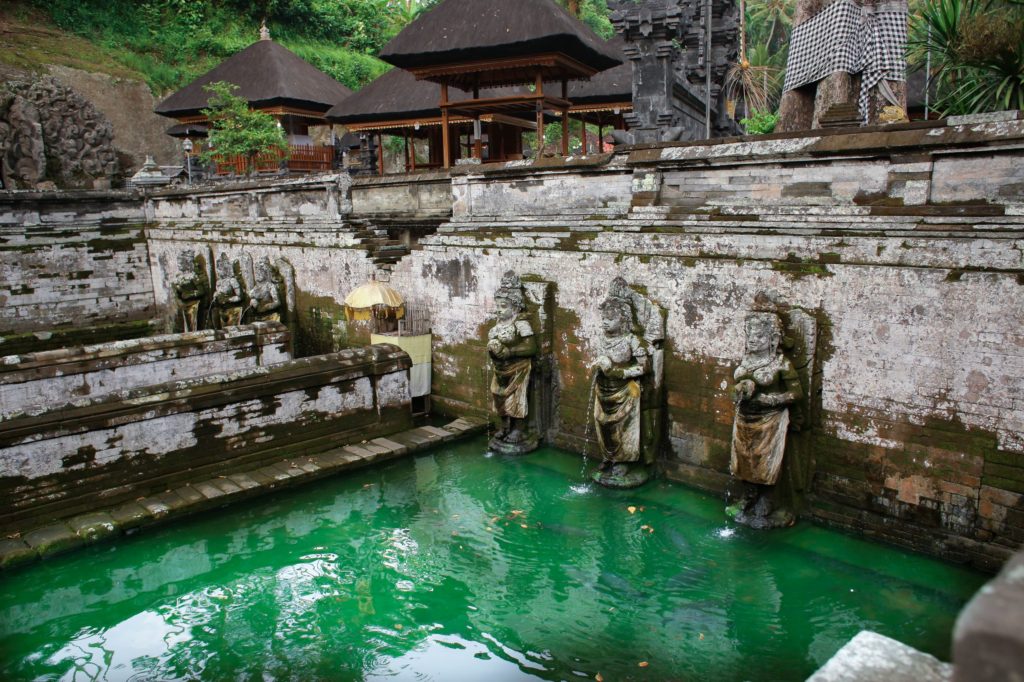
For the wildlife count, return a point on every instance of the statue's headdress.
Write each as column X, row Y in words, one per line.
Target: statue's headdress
column 766, row 308
column 511, row 289
column 619, row 301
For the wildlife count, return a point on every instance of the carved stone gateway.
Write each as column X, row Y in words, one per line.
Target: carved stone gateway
column 627, row 391
column 519, row 351
column 773, row 382
column 667, row 43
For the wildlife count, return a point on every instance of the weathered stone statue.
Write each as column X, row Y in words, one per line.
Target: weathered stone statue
column 625, row 373
column 228, row 303
column 767, row 384
column 512, row 347
column 265, row 295
column 191, row 289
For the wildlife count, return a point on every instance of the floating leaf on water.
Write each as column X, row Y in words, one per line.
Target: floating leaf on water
column 702, row 636
column 598, row 677
column 489, row 529
column 523, row 525
column 642, row 664
column 398, row 626
column 631, row 509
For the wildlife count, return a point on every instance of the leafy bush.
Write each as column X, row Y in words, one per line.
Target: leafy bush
column 977, row 52
column 235, row 129
column 760, row 122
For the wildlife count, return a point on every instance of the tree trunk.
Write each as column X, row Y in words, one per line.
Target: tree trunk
column 574, row 7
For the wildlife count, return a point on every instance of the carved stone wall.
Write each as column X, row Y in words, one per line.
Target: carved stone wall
column 144, row 441
column 72, row 261
column 52, row 136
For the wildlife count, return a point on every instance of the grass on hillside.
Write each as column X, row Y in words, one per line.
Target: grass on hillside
column 31, row 42
column 166, row 50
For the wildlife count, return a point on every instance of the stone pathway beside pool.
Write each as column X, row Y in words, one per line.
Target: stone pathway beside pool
column 43, row 542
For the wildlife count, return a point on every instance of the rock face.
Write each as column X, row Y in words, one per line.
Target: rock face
column 51, row 134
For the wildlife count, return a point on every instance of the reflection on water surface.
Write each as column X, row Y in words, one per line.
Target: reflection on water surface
column 455, row 566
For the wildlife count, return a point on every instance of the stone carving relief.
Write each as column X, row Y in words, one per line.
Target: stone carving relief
column 666, row 42
column 236, row 292
column 51, row 136
column 627, row 391
column 228, row 303
column 769, row 394
column 191, row 290
column 512, row 347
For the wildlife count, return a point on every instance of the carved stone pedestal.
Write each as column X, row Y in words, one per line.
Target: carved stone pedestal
column 529, row 443
column 622, row 477
column 756, row 509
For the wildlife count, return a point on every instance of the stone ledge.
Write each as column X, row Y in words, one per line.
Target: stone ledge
column 198, row 496
column 871, row 657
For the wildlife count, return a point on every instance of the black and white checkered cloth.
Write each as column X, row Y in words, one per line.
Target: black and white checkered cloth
column 848, row 37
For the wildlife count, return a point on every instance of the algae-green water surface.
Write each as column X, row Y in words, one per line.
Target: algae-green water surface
column 459, row 566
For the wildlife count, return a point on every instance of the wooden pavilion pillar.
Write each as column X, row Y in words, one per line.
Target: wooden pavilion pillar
column 446, row 151
column 565, row 119
column 583, row 135
column 380, row 152
column 539, row 86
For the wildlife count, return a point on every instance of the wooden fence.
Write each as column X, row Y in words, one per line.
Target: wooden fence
column 300, row 159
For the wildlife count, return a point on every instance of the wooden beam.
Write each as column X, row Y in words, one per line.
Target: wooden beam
column 444, row 127
column 380, row 151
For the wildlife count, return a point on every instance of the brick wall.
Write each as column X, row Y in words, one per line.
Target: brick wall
column 44, row 380
column 103, row 451
column 72, row 260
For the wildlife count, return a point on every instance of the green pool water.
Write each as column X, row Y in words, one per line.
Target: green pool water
column 460, row 566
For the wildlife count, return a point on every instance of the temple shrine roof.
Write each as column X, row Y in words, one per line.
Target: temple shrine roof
column 467, row 43
column 267, row 75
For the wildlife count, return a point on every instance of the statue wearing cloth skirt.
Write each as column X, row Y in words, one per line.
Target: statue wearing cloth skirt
column 766, row 385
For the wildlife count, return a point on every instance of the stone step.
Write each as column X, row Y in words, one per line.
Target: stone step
column 201, row 495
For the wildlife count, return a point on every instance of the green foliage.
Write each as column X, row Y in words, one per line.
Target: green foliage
column 172, row 42
column 235, row 129
column 977, row 53
column 760, row 122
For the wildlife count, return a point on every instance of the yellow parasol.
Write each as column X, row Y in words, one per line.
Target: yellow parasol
column 374, row 300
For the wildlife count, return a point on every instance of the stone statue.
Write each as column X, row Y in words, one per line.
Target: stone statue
column 265, row 294
column 626, row 433
column 512, row 347
column 191, row 289
column 767, row 384
column 227, row 295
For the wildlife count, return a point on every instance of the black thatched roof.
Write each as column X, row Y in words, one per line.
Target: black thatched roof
column 397, row 95
column 394, row 95
column 458, row 31
column 266, row 74
column 612, row 85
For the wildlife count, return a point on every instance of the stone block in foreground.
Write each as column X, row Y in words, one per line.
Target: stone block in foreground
column 871, row 657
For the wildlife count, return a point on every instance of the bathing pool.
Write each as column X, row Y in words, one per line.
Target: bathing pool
column 455, row 565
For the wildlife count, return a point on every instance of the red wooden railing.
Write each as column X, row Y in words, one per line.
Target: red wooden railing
column 301, row 159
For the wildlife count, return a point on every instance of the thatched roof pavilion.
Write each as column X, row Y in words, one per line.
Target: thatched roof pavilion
column 272, row 79
column 474, row 44
column 398, row 104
